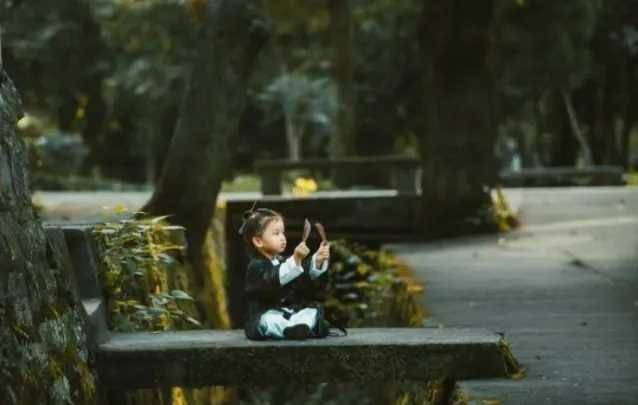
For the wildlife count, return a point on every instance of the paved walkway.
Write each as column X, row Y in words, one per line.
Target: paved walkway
column 94, row 206
column 563, row 289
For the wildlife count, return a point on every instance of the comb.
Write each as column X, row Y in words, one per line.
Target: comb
column 322, row 232
column 306, row 230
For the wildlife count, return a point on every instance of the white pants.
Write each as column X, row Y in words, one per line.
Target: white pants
column 272, row 322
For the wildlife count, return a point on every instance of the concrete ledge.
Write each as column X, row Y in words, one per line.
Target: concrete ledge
column 563, row 176
column 402, row 169
column 225, row 357
column 216, row 357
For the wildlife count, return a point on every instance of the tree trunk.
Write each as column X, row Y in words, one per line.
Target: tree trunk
column 149, row 138
column 43, row 350
column 603, row 139
column 457, row 130
column 629, row 120
column 629, row 113
column 199, row 156
column 541, row 149
column 293, row 138
column 576, row 130
column 342, row 36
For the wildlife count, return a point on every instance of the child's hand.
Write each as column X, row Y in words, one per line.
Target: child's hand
column 300, row 252
column 323, row 253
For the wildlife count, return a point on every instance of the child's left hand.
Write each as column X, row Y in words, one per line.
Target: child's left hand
column 323, row 253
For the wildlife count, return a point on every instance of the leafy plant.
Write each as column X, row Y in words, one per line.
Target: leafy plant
column 371, row 287
column 138, row 258
column 502, row 214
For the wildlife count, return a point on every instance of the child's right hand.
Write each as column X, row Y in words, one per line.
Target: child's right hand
column 300, row 252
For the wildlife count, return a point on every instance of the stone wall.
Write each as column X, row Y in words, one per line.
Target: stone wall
column 43, row 350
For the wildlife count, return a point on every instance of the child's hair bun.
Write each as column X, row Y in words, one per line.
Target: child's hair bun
column 245, row 216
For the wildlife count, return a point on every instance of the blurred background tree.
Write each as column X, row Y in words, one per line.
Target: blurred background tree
column 461, row 86
column 110, row 73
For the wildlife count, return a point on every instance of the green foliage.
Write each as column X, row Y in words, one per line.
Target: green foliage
column 494, row 215
column 554, row 57
column 501, row 213
column 370, row 287
column 303, row 99
column 137, row 258
column 632, row 178
column 149, row 42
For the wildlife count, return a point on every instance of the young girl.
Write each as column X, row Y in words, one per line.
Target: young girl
column 279, row 290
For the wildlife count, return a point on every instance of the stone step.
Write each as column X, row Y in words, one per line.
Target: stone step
column 226, row 357
column 217, row 357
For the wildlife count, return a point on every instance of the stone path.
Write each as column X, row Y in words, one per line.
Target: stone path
column 563, row 289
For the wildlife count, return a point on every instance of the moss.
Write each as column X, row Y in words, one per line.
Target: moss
column 438, row 391
column 632, row 178
column 51, row 357
column 54, row 369
column 50, row 369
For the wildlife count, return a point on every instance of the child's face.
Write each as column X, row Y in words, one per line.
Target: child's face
column 273, row 239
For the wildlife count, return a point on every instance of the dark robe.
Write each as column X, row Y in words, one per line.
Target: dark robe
column 263, row 291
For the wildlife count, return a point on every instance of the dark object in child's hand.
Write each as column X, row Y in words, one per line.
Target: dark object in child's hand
column 306, row 230
column 322, row 232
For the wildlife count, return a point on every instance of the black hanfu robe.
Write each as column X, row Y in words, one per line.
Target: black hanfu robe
column 264, row 291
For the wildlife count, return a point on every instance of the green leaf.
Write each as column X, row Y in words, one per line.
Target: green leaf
column 156, row 311
column 165, row 258
column 193, row 321
column 173, row 227
column 158, row 219
column 181, row 295
column 159, row 300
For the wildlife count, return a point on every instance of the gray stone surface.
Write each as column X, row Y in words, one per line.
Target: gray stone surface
column 563, row 289
column 198, row 358
column 427, row 338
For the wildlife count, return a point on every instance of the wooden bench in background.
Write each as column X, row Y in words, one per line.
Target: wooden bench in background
column 226, row 357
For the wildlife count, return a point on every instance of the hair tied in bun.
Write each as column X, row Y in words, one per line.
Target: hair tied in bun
column 246, row 215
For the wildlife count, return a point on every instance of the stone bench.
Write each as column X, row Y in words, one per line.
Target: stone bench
column 226, row 357
column 563, row 176
column 218, row 357
column 403, row 170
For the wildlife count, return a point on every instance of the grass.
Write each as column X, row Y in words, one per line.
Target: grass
column 632, row 178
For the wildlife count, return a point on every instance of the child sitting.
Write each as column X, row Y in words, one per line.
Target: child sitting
column 279, row 290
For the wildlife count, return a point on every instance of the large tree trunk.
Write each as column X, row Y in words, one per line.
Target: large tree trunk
column 43, row 350
column 199, row 157
column 629, row 112
column 456, row 131
column 342, row 36
column 342, row 29
column 629, row 119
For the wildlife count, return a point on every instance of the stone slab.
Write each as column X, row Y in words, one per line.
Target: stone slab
column 214, row 357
